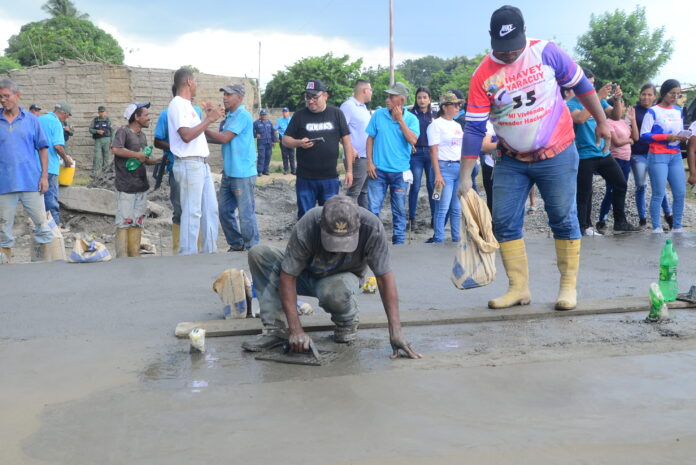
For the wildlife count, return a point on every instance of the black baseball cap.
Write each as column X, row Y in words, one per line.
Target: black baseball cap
column 340, row 224
column 33, row 106
column 507, row 29
column 315, row 86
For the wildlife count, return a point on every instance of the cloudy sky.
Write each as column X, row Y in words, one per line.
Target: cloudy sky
column 222, row 36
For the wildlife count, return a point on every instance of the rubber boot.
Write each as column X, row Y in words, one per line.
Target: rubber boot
column 200, row 242
column 514, row 257
column 176, row 231
column 121, row 243
column 8, row 253
column 568, row 259
column 134, row 235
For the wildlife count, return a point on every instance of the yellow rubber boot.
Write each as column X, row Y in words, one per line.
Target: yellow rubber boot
column 134, row 235
column 568, row 260
column 200, row 241
column 176, row 231
column 121, row 243
column 8, row 253
column 514, row 257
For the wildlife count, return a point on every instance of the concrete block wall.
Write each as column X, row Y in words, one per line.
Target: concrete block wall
column 86, row 85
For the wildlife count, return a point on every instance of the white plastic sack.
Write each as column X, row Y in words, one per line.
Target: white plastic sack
column 474, row 261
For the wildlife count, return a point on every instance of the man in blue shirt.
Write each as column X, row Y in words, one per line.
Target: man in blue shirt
column 390, row 134
column 265, row 138
column 162, row 142
column 21, row 177
column 239, row 178
column 287, row 152
column 52, row 125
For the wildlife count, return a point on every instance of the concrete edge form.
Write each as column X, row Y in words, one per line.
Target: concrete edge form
column 371, row 320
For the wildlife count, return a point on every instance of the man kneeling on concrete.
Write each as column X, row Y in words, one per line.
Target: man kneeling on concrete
column 327, row 253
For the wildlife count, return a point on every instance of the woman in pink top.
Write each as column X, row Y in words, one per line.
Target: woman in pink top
column 622, row 137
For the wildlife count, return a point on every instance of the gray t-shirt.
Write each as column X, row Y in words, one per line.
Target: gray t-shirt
column 305, row 252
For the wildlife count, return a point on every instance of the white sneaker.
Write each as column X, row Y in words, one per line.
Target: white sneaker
column 591, row 232
column 657, row 230
column 678, row 230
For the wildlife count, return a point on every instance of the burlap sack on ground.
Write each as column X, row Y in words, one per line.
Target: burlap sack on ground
column 56, row 248
column 89, row 251
column 474, row 261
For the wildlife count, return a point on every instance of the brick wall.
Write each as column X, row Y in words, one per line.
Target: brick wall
column 86, row 85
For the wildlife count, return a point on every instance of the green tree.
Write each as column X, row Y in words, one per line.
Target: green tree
column 286, row 87
column 379, row 78
column 619, row 47
column 191, row 68
column 420, row 70
column 8, row 64
column 455, row 75
column 45, row 41
column 57, row 8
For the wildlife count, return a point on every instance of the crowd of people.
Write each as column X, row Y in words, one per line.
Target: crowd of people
column 532, row 119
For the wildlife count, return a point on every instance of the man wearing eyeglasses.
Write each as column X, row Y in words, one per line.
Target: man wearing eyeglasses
column 315, row 131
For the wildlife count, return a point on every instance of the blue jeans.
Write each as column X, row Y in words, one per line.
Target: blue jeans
column 625, row 166
column 448, row 205
column 312, row 191
column 263, row 162
column 33, row 204
column 420, row 162
column 377, row 191
column 665, row 168
column 556, row 179
column 174, row 198
column 199, row 207
column 51, row 198
column 639, row 166
column 238, row 194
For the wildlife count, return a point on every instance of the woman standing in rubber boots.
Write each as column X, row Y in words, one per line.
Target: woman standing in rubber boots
column 517, row 86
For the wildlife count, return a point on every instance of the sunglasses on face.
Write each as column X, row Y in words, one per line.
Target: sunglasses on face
column 309, row 97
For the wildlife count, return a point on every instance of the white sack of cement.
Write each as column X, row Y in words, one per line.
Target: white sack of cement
column 197, row 339
column 303, row 308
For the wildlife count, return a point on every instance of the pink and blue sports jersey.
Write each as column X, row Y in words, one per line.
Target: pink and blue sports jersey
column 658, row 122
column 523, row 101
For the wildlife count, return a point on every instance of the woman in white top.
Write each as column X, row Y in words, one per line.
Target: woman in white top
column 445, row 140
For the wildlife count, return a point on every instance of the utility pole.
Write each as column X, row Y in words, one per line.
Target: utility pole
column 258, row 82
column 391, row 43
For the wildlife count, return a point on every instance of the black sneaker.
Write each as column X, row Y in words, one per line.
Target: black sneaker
column 262, row 342
column 643, row 222
column 670, row 221
column 601, row 227
column 625, row 226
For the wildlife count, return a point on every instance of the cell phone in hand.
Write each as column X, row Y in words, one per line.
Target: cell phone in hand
column 317, row 139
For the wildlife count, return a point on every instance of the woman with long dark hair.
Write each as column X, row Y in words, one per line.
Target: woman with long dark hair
column 420, row 158
column 660, row 128
column 639, row 157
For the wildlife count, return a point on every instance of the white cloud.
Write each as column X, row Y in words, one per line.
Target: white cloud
column 233, row 53
column 8, row 28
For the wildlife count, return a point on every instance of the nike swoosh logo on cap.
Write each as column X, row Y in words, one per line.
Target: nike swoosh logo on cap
column 506, row 29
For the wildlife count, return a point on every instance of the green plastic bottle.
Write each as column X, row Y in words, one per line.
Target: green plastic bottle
column 668, row 272
column 132, row 164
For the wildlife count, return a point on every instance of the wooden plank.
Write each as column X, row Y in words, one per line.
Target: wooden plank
column 322, row 322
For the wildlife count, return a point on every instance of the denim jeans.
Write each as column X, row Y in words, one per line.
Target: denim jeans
column 358, row 190
column 238, row 194
column 556, row 179
column 130, row 209
column 336, row 293
column 639, row 166
column 665, row 168
column 199, row 207
column 175, row 199
column 311, row 192
column 448, row 205
column 377, row 191
column 51, row 198
column 263, row 162
column 420, row 163
column 33, row 204
column 625, row 166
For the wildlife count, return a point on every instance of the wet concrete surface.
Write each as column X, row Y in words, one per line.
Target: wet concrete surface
column 92, row 373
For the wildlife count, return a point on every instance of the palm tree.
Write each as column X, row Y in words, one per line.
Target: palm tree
column 63, row 8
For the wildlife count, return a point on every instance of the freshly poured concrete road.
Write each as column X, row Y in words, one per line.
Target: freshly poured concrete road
column 92, row 373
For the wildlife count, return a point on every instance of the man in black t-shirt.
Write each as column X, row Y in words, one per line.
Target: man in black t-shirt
column 131, row 179
column 315, row 132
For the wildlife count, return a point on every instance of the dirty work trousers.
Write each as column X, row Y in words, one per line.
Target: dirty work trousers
column 101, row 154
column 130, row 209
column 33, row 204
column 336, row 293
column 199, row 206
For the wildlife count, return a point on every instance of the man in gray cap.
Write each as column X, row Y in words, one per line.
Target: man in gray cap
column 239, row 178
column 265, row 138
column 391, row 133
column 100, row 128
column 328, row 252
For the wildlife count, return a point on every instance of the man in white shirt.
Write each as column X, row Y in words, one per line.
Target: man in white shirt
column 199, row 208
column 358, row 116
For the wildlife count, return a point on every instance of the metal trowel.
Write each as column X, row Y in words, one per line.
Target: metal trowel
column 283, row 354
